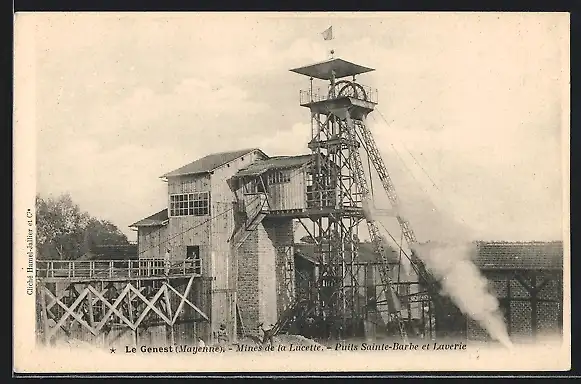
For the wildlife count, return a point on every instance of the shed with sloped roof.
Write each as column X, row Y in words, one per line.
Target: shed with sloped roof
column 282, row 178
column 527, row 280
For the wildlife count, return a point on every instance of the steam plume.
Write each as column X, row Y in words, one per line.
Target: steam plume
column 462, row 281
column 450, row 261
column 369, row 213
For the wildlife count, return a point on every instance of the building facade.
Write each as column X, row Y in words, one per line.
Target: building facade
column 527, row 279
column 231, row 212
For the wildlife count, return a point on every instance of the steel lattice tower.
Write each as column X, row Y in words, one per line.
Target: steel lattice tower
column 334, row 195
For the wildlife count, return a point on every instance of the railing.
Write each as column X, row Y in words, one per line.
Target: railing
column 321, row 198
column 355, row 91
column 96, row 269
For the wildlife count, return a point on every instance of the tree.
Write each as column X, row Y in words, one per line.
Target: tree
column 103, row 232
column 64, row 232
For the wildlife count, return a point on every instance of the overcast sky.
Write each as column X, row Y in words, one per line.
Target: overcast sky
column 473, row 107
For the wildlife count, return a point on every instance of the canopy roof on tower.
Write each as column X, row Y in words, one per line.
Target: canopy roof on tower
column 323, row 69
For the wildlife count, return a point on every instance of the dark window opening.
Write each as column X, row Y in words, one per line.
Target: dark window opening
column 279, row 177
column 193, row 254
column 257, row 186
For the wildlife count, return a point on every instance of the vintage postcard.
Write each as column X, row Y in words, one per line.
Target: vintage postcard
column 291, row 192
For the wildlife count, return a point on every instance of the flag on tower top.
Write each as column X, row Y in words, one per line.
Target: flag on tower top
column 328, row 33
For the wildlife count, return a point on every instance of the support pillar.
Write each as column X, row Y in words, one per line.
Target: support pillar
column 44, row 314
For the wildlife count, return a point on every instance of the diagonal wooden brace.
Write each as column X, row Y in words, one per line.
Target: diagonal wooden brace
column 59, row 297
column 183, row 300
column 151, row 305
column 189, row 302
column 70, row 311
column 112, row 308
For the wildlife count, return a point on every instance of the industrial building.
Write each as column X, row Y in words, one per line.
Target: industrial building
column 274, row 266
column 234, row 212
column 527, row 279
column 226, row 254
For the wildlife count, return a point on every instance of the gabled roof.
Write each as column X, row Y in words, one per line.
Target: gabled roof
column 278, row 162
column 157, row 219
column 519, row 255
column 210, row 162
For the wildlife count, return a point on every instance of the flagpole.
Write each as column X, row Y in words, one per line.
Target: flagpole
column 328, row 35
column 332, row 43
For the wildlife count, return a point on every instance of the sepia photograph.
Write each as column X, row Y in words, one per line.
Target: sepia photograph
column 285, row 192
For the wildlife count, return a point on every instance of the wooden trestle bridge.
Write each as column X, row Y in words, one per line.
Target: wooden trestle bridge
column 101, row 302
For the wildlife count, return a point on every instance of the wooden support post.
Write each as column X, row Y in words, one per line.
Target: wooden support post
column 132, row 318
column 169, row 312
column 44, row 313
column 90, row 308
column 104, row 336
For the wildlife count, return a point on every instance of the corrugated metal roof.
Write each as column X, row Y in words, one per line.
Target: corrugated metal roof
column 278, row 162
column 210, row 162
column 154, row 220
column 519, row 255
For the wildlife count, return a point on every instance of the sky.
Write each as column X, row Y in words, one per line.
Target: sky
column 472, row 119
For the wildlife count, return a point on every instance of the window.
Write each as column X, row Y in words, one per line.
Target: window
column 278, row 177
column 193, row 254
column 256, row 186
column 190, row 204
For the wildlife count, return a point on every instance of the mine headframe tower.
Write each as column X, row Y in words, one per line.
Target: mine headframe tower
column 337, row 192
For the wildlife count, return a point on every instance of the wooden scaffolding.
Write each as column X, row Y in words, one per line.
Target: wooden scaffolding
column 102, row 302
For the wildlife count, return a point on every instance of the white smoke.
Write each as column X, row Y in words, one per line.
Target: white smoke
column 462, row 281
column 450, row 261
column 369, row 213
